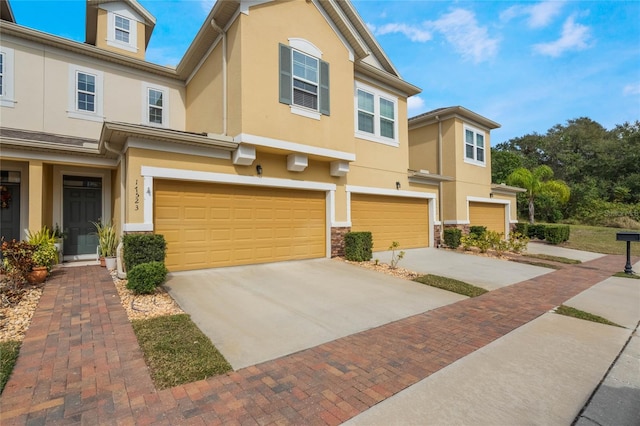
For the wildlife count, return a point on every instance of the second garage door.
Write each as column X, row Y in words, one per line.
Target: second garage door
column 405, row 220
column 208, row 225
column 487, row 214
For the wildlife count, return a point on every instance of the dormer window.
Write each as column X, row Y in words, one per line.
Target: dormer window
column 123, row 26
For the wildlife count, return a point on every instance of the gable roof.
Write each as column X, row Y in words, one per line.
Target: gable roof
column 345, row 18
column 440, row 114
column 92, row 14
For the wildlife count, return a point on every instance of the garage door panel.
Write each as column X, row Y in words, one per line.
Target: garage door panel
column 208, row 225
column 491, row 215
column 405, row 220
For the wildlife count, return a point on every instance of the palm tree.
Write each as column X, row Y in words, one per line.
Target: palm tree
column 538, row 181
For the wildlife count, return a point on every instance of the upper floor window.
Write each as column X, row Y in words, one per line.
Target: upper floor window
column 304, row 79
column 474, row 148
column 6, row 77
column 85, row 93
column 155, row 105
column 122, row 29
column 376, row 115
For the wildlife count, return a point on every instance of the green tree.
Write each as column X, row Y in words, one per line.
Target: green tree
column 503, row 163
column 537, row 182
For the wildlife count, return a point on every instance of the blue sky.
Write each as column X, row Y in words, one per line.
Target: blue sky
column 526, row 65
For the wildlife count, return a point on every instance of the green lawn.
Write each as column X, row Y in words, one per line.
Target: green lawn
column 450, row 284
column 177, row 352
column 8, row 357
column 577, row 313
column 599, row 239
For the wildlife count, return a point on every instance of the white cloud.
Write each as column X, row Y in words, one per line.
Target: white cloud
column 412, row 32
column 540, row 14
column 461, row 29
column 415, row 104
column 631, row 89
column 574, row 37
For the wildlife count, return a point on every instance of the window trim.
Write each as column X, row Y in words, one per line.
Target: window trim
column 112, row 13
column 376, row 136
column 72, row 110
column 286, row 78
column 7, row 95
column 146, row 87
column 476, row 131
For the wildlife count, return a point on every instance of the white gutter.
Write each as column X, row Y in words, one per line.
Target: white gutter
column 224, row 74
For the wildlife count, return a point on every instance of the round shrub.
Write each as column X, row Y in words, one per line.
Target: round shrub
column 144, row 278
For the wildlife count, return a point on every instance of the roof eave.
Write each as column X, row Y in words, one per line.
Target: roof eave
column 446, row 113
column 85, row 49
column 390, row 79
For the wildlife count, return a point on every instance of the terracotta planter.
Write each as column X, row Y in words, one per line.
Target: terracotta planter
column 103, row 263
column 37, row 275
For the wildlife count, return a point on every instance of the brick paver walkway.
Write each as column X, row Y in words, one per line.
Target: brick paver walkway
column 80, row 362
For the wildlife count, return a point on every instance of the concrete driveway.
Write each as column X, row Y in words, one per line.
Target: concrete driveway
column 256, row 313
column 486, row 272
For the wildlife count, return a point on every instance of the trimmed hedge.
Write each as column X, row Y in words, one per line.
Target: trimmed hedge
column 358, row 246
column 452, row 237
column 477, row 231
column 536, row 231
column 556, row 234
column 522, row 228
column 143, row 248
column 144, row 278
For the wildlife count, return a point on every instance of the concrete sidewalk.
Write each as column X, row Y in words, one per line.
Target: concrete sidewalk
column 544, row 371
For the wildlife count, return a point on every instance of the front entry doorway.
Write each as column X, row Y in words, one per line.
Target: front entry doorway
column 10, row 205
column 82, row 204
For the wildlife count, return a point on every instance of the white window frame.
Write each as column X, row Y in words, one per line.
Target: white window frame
column 73, row 111
column 7, row 94
column 376, row 136
column 126, row 31
column 117, row 9
column 476, row 132
column 146, row 87
column 304, row 80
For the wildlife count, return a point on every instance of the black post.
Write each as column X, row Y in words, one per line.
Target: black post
column 627, row 267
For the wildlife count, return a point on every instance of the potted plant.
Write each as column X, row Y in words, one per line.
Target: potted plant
column 108, row 243
column 44, row 254
column 59, row 235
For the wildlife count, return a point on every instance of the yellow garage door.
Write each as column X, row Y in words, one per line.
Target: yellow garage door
column 405, row 220
column 209, row 225
column 487, row 214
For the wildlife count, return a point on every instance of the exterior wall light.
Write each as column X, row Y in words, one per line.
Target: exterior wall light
column 259, row 170
column 398, row 185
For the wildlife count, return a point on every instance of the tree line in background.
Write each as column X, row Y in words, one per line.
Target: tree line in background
column 600, row 170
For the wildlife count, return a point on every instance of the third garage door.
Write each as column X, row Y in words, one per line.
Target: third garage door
column 487, row 214
column 405, row 220
column 209, row 225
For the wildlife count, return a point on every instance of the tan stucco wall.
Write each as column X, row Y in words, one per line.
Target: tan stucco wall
column 47, row 195
column 262, row 113
column 101, row 37
column 42, row 93
column 423, row 148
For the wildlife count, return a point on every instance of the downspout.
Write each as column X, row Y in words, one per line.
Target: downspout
column 440, row 184
column 123, row 163
column 224, row 74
